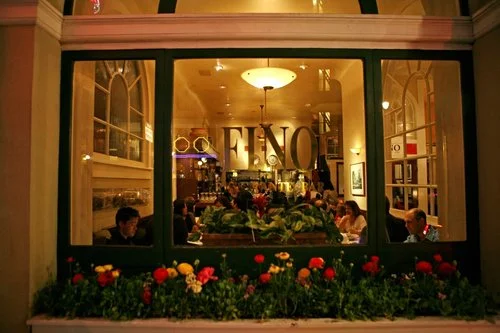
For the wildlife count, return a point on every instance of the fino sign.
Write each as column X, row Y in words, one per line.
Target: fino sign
column 271, row 138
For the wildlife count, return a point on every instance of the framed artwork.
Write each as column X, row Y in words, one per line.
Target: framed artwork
column 340, row 178
column 358, row 179
column 332, row 148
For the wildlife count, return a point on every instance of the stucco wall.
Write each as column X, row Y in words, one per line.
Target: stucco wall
column 486, row 53
column 16, row 73
column 29, row 131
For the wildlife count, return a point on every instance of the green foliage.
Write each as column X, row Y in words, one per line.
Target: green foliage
column 283, row 292
column 281, row 224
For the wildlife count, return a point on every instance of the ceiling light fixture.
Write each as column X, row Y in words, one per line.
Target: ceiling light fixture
column 273, row 77
column 218, row 67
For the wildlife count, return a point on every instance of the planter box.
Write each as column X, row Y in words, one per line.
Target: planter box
column 41, row 324
column 246, row 239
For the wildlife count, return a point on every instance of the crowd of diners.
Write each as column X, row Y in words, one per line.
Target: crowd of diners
column 347, row 215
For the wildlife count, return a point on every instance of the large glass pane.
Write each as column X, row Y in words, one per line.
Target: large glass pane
column 426, row 155
column 419, row 7
column 119, row 105
column 266, row 6
column 114, row 7
column 112, row 157
column 246, row 157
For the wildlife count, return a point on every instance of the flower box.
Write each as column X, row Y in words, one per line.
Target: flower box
column 42, row 324
column 235, row 239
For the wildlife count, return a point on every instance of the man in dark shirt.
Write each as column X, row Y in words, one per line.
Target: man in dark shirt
column 396, row 228
column 126, row 220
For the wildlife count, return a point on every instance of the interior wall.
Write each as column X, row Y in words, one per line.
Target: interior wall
column 353, row 110
column 486, row 52
column 16, row 76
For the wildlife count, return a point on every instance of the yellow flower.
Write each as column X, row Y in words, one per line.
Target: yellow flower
column 273, row 269
column 185, row 268
column 172, row 273
column 195, row 287
column 289, row 265
column 108, row 267
column 190, row 278
column 100, row 269
column 304, row 273
column 115, row 273
column 282, row 255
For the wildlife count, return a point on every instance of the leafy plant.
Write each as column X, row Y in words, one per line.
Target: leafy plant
column 281, row 224
column 322, row 289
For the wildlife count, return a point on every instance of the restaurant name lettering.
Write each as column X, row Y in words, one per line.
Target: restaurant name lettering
column 271, row 138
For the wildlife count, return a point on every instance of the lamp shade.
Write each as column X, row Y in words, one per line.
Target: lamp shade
column 268, row 77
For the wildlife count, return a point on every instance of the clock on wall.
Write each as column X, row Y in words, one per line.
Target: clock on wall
column 272, row 160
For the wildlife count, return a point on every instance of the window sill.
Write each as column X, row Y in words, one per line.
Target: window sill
column 42, row 324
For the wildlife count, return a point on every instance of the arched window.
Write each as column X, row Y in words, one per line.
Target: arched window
column 118, row 114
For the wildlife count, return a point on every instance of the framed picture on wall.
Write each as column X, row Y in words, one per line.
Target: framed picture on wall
column 358, row 179
column 340, row 178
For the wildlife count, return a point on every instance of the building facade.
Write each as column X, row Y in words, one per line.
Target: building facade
column 50, row 77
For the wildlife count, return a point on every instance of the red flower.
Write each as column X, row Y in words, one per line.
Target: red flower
column 375, row 259
column 70, row 260
column 160, row 275
column 259, row 258
column 424, row 267
column 264, row 278
column 206, row 274
column 77, row 278
column 329, row 273
column 371, row 268
column 316, row 262
column 105, row 279
column 445, row 269
column 147, row 295
column 437, row 258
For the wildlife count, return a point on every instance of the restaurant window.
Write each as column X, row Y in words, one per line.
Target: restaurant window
column 419, row 7
column 266, row 6
column 423, row 140
column 112, row 152
column 247, row 154
column 114, row 7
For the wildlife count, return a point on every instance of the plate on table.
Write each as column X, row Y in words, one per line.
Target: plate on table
column 197, row 243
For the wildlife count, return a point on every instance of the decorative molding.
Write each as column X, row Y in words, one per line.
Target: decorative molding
column 41, row 14
column 41, row 324
column 49, row 19
column 266, row 30
column 486, row 19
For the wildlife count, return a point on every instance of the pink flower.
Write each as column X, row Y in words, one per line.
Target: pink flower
column 206, row 274
column 329, row 274
column 69, row 260
column 259, row 258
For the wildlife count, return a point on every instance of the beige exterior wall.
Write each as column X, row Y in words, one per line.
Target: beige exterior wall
column 486, row 53
column 16, row 71
column 29, row 136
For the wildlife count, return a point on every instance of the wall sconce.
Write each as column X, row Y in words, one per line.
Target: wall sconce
column 355, row 151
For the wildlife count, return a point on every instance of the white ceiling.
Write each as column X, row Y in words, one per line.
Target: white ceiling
column 198, row 92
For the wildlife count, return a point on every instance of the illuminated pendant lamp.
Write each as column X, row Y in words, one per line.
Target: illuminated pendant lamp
column 268, row 77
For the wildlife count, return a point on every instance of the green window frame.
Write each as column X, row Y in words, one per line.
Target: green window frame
column 163, row 251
